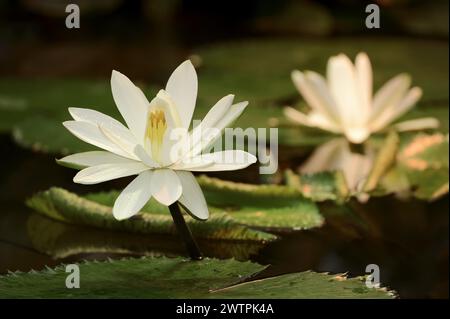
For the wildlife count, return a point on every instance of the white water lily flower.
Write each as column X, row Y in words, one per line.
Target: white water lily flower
column 145, row 147
column 343, row 103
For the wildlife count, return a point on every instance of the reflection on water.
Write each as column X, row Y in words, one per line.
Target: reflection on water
column 407, row 240
column 336, row 155
column 61, row 240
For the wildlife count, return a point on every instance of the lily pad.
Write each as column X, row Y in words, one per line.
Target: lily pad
column 50, row 98
column 422, row 167
column 320, row 186
column 259, row 70
column 179, row 278
column 238, row 211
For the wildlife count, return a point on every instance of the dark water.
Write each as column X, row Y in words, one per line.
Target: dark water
column 408, row 240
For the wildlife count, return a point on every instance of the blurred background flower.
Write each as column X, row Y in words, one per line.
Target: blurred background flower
column 343, row 103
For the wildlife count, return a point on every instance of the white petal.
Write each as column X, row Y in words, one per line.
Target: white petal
column 407, row 102
column 396, row 110
column 357, row 135
column 336, row 155
column 314, row 90
column 313, row 119
column 323, row 122
column 109, row 126
column 123, row 138
column 144, row 157
column 192, row 198
column 296, row 116
column 90, row 133
column 133, row 197
column 94, row 158
column 210, row 136
column 356, row 168
column 105, row 172
column 131, row 102
column 364, row 82
column 417, row 124
column 164, row 101
column 324, row 157
column 218, row 111
column 93, row 116
column 342, row 83
column 229, row 160
column 182, row 87
column 169, row 153
column 214, row 116
column 166, row 186
column 191, row 164
column 389, row 95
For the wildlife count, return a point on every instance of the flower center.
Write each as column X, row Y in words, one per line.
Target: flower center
column 154, row 133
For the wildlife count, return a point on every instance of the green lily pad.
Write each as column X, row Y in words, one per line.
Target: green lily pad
column 68, row 207
column 422, row 167
column 236, row 210
column 267, row 206
column 179, row 278
column 50, row 98
column 302, row 17
column 259, row 70
column 320, row 186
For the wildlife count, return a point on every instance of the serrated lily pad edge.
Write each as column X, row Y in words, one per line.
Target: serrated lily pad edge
column 245, row 280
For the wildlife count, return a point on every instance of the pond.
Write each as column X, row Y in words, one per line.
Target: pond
column 408, row 240
column 359, row 117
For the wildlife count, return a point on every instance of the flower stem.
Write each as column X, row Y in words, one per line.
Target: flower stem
column 184, row 232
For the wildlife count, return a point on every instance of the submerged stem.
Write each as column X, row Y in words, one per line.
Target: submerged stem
column 184, row 232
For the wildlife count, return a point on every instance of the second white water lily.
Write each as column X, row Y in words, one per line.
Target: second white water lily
column 146, row 147
column 343, row 103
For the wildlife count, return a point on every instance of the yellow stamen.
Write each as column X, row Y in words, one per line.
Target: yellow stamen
column 154, row 133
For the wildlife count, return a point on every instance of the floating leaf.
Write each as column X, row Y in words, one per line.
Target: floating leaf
column 235, row 210
column 179, row 278
column 422, row 167
column 64, row 206
column 320, row 186
column 266, row 206
column 261, row 68
column 263, row 206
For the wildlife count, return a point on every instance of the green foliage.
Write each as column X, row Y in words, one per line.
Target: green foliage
column 259, row 70
column 62, row 205
column 422, row 167
column 254, row 70
column 320, row 186
column 236, row 210
column 416, row 164
column 179, row 278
